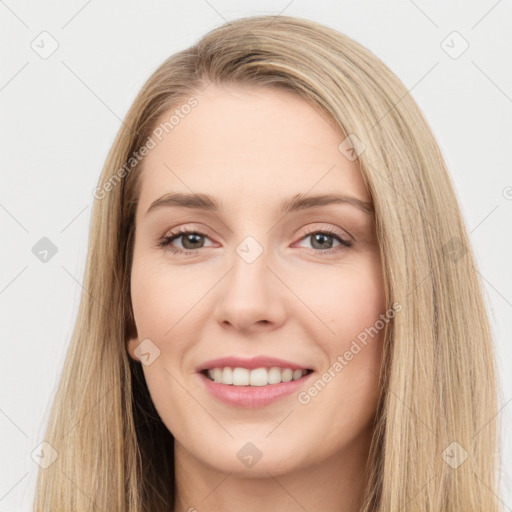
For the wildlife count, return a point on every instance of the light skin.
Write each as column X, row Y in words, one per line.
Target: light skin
column 305, row 299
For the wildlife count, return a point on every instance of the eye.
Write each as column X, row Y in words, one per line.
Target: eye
column 193, row 240
column 322, row 240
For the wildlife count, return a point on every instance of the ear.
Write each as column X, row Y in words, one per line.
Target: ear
column 133, row 341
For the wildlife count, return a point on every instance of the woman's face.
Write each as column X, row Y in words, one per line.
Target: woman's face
column 254, row 279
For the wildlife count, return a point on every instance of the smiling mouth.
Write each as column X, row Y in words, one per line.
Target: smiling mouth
column 257, row 377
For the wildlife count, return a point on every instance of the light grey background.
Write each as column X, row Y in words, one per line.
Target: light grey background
column 59, row 116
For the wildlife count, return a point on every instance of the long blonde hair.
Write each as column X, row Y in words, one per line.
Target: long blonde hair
column 436, row 435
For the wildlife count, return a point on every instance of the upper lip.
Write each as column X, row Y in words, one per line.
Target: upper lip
column 251, row 363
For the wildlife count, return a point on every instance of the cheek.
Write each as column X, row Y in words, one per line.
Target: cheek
column 354, row 308
column 349, row 332
column 360, row 327
column 358, row 303
column 346, row 299
column 160, row 298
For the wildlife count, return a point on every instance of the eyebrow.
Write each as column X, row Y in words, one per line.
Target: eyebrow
column 297, row 203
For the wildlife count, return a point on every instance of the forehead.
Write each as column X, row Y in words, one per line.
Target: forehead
column 249, row 143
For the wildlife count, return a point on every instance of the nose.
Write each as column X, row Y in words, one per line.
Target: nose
column 251, row 297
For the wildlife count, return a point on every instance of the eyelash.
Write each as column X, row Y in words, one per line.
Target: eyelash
column 166, row 240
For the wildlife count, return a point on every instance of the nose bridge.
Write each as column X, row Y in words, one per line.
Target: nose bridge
column 250, row 291
column 250, row 263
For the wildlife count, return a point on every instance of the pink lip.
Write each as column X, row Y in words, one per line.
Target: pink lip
column 250, row 364
column 252, row 396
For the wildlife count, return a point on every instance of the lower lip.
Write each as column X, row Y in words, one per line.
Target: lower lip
column 252, row 396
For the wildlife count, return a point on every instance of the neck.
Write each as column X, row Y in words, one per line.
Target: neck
column 333, row 485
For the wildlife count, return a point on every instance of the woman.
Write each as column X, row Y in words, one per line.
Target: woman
column 281, row 306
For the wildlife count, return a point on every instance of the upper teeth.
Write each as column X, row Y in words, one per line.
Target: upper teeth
column 256, row 377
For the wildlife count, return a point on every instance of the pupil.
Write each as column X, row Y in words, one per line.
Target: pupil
column 316, row 237
column 189, row 239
